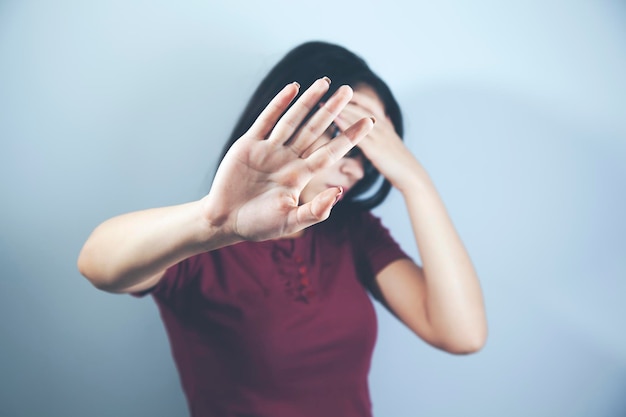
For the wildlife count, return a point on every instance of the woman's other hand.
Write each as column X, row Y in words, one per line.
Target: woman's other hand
column 382, row 145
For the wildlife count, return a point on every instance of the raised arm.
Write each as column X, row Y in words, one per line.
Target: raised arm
column 442, row 301
column 254, row 196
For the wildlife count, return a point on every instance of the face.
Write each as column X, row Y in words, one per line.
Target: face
column 350, row 169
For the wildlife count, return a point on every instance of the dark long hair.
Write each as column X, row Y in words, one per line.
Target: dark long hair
column 305, row 64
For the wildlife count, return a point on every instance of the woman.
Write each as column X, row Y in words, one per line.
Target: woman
column 264, row 302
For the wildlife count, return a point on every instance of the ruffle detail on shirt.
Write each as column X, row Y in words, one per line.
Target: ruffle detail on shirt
column 293, row 271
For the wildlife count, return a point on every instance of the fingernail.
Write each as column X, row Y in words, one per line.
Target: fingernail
column 339, row 194
column 373, row 119
column 326, row 79
column 297, row 84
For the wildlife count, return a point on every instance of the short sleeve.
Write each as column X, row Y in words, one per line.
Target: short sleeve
column 176, row 279
column 374, row 248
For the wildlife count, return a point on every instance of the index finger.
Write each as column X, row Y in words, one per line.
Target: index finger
column 335, row 149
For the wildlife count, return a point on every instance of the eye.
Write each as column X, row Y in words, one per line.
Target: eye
column 334, row 131
column 353, row 153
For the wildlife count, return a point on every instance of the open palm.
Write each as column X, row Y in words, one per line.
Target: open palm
column 256, row 191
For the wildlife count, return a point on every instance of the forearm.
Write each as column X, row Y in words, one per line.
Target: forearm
column 128, row 249
column 454, row 302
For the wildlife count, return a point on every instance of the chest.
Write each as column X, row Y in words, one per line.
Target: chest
column 291, row 306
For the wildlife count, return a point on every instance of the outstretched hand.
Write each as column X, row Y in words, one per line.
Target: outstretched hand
column 256, row 191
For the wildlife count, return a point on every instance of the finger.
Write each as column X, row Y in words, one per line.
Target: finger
column 335, row 149
column 347, row 118
column 368, row 104
column 319, row 122
column 316, row 210
column 353, row 112
column 290, row 121
column 343, row 126
column 266, row 121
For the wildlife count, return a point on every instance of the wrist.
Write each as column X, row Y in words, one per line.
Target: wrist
column 213, row 226
column 406, row 174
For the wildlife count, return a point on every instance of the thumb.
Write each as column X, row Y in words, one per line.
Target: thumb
column 318, row 209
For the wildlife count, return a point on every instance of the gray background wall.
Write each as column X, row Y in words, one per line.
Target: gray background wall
column 517, row 110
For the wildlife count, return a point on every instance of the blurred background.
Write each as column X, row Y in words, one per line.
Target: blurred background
column 517, row 110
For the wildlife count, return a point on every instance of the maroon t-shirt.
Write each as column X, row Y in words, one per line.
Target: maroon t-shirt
column 282, row 328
